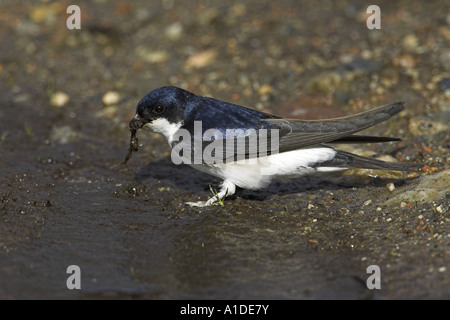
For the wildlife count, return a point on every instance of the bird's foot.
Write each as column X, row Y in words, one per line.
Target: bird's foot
column 228, row 189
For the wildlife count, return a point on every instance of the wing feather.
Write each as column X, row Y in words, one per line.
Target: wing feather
column 277, row 135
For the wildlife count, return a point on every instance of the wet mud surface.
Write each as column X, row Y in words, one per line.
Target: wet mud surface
column 65, row 199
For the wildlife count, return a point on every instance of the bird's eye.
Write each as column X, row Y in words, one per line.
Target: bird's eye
column 158, row 108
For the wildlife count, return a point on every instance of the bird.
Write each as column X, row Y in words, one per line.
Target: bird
column 248, row 148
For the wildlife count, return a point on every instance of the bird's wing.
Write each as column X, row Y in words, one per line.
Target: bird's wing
column 307, row 133
column 276, row 135
column 284, row 135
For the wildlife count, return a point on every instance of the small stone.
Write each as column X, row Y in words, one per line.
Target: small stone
column 440, row 209
column 390, row 186
column 444, row 84
column 150, row 56
column 406, row 61
column 410, row 41
column 368, row 202
column 174, row 31
column 111, row 98
column 47, row 13
column 265, row 89
column 201, row 59
column 59, row 99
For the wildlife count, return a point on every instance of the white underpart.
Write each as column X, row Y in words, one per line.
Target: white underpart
column 166, row 128
column 282, row 166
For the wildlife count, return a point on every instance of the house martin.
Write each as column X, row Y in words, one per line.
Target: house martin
column 248, row 148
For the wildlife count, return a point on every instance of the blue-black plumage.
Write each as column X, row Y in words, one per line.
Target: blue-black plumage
column 302, row 146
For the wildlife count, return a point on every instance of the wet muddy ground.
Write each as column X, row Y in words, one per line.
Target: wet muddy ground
column 66, row 99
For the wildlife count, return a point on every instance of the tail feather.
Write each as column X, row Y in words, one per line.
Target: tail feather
column 350, row 160
column 364, row 139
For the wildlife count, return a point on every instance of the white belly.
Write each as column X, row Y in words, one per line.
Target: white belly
column 258, row 173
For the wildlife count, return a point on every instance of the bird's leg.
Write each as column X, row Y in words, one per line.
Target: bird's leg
column 228, row 188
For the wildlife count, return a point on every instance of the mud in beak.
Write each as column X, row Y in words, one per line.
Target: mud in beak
column 135, row 124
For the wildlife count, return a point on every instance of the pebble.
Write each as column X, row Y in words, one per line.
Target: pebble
column 428, row 188
column 410, row 41
column 111, row 98
column 390, row 186
column 444, row 84
column 164, row 189
column 368, row 202
column 265, row 89
column 201, row 59
column 406, row 61
column 59, row 99
column 47, row 13
column 174, row 31
column 150, row 56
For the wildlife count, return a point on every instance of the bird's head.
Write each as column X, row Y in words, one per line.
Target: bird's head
column 161, row 107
